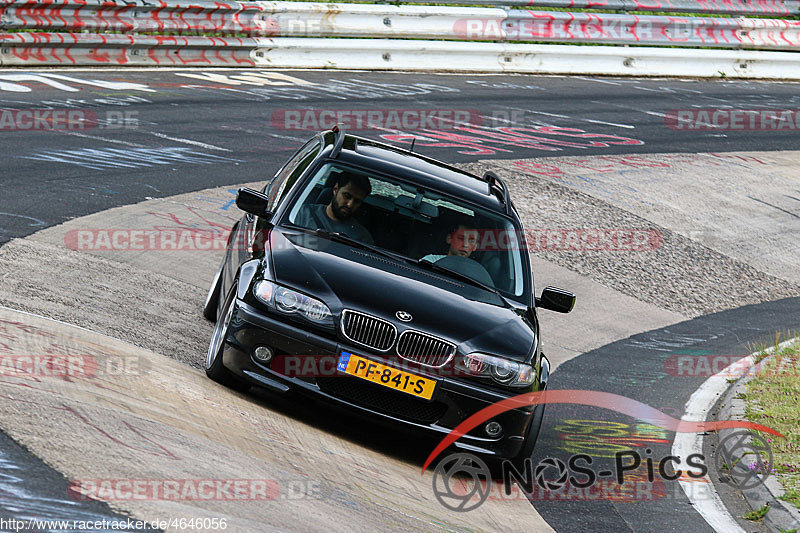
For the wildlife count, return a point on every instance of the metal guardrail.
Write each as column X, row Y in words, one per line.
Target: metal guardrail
column 135, row 16
column 389, row 28
column 301, row 19
column 115, row 50
column 728, row 7
column 26, row 49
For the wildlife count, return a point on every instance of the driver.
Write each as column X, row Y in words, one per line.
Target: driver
column 461, row 240
column 337, row 217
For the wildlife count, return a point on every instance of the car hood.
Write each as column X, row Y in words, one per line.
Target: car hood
column 345, row 277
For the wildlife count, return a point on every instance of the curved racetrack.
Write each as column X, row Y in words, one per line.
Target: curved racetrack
column 167, row 149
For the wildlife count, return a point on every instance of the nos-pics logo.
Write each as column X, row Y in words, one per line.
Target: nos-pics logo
column 461, row 482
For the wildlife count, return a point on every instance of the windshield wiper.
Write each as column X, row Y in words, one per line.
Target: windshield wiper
column 341, row 237
column 458, row 275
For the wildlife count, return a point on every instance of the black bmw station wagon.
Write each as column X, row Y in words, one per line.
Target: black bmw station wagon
column 388, row 283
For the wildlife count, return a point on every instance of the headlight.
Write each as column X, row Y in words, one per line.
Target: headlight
column 291, row 302
column 502, row 371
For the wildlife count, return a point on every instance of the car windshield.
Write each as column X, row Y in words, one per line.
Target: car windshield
column 420, row 225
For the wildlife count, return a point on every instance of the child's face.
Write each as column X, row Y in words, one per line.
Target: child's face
column 462, row 242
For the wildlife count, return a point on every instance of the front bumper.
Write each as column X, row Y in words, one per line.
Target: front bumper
column 453, row 400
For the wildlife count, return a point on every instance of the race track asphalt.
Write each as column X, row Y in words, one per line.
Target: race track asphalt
column 227, row 127
column 163, row 133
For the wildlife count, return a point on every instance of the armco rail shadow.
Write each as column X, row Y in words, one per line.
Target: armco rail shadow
column 634, row 367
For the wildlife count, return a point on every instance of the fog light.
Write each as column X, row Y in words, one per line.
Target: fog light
column 493, row 429
column 263, row 354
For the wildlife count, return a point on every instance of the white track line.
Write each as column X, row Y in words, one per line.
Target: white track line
column 609, row 123
column 597, row 80
column 189, row 141
column 707, row 501
column 575, row 118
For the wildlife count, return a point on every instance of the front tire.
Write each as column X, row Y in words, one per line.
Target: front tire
column 531, row 436
column 212, row 299
column 214, row 367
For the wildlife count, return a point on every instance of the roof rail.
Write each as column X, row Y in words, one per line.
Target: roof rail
column 399, row 150
column 337, row 145
column 498, row 186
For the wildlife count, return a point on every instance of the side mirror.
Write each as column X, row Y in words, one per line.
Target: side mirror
column 253, row 202
column 556, row 299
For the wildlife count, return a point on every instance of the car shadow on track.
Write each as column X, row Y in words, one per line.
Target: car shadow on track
column 399, row 443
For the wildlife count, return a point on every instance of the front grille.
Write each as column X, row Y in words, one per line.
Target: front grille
column 368, row 330
column 424, row 349
column 383, row 400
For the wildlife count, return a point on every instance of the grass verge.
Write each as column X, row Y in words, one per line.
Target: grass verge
column 773, row 399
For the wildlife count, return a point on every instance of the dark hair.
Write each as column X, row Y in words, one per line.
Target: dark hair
column 359, row 181
column 458, row 225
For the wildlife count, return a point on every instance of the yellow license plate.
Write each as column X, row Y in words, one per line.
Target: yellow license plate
column 387, row 376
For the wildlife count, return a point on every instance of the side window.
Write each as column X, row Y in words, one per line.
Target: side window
column 289, row 174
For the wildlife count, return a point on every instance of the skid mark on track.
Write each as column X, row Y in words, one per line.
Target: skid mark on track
column 145, row 444
column 34, row 222
column 795, row 215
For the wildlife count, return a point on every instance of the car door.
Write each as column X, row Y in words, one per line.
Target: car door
column 251, row 231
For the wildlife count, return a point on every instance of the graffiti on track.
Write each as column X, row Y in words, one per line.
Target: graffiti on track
column 485, row 140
